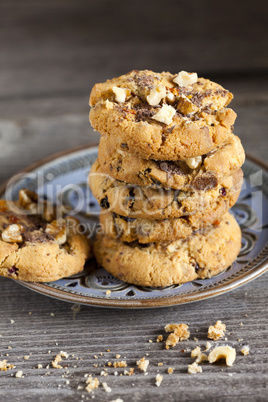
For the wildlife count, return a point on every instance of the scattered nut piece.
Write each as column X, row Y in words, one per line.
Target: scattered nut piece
column 12, row 234
column 170, row 370
column 158, row 380
column 185, row 79
column 159, row 338
column 194, row 368
column 19, row 374
column 160, row 364
column 193, row 163
column 216, row 331
column 26, row 357
column 92, row 383
column 165, row 114
column 117, row 400
column 117, row 356
column 121, row 94
column 223, row 352
column 170, row 96
column 156, row 95
column 108, row 292
column 143, row 364
column 245, row 350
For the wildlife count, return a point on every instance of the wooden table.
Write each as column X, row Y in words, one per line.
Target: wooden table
column 52, row 52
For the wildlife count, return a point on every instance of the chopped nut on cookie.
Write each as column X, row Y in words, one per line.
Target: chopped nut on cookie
column 165, row 114
column 12, row 234
column 185, row 79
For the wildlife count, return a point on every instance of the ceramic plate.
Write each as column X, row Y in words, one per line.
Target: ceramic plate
column 64, row 177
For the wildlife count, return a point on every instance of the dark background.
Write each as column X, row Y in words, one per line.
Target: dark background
column 53, row 51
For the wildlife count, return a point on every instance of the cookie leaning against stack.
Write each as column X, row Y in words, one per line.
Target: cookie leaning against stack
column 34, row 245
column 167, row 173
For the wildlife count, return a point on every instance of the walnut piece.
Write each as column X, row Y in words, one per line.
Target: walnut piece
column 222, row 352
column 28, row 199
column 216, row 331
column 12, row 234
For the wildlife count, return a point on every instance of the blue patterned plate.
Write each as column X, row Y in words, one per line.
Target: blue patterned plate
column 63, row 178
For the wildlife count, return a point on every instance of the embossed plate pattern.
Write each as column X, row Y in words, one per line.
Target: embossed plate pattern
column 66, row 175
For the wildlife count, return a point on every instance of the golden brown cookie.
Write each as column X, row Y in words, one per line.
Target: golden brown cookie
column 36, row 247
column 205, row 174
column 202, row 255
column 162, row 116
column 154, row 202
column 149, row 231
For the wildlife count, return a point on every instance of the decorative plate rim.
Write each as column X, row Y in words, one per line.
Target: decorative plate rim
column 166, row 301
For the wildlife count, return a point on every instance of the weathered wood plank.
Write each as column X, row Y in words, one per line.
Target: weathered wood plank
column 127, row 333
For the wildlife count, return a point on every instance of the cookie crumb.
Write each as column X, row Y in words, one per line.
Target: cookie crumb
column 158, row 380
column 179, row 332
column 170, row 370
column 208, row 346
column 245, row 350
column 4, row 366
column 58, row 359
column 106, row 387
column 26, row 357
column 216, row 331
column 159, row 338
column 130, row 372
column 123, row 363
column 117, row 400
column 19, row 374
column 194, row 368
column 160, row 364
column 92, row 383
column 108, row 293
column 143, row 364
column 150, row 341
column 118, row 356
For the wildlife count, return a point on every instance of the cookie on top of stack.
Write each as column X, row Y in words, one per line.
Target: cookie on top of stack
column 168, row 171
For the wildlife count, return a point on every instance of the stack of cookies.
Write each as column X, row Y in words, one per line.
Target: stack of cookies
column 168, row 171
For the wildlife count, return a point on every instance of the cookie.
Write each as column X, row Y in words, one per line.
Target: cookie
column 162, row 116
column 34, row 246
column 223, row 161
column 149, row 231
column 154, row 202
column 202, row 255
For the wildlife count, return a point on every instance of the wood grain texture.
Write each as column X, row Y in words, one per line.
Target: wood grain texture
column 51, row 53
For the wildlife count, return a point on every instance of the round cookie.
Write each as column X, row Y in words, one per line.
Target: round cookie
column 223, row 161
column 202, row 255
column 34, row 246
column 154, row 202
column 189, row 120
column 149, row 231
